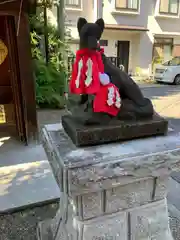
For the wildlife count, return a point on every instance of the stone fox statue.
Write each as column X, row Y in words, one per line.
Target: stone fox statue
column 133, row 104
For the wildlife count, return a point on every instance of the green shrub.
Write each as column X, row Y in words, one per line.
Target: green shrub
column 49, row 85
column 51, row 75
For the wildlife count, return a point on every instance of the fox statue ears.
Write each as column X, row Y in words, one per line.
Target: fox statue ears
column 101, row 24
column 82, row 21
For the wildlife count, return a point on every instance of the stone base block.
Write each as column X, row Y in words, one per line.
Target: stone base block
column 117, row 130
column 114, row 191
column 44, row 230
column 148, row 222
column 109, row 227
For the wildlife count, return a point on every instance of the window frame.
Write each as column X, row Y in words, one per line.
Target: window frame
column 70, row 5
column 103, row 42
column 127, row 8
column 169, row 6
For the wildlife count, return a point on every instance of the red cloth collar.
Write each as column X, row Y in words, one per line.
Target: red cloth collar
column 86, row 51
column 80, row 73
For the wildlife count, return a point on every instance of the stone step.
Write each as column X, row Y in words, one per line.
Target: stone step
column 26, row 179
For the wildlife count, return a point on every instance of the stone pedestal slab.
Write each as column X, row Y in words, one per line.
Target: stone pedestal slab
column 114, row 191
column 113, row 131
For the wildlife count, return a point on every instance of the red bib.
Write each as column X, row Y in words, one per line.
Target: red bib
column 85, row 73
column 107, row 100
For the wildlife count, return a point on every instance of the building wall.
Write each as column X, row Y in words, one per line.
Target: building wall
column 163, row 24
column 111, row 49
column 129, row 18
column 141, row 43
column 72, row 14
column 148, row 16
column 114, row 36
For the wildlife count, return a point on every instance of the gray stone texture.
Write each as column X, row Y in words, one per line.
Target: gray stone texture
column 92, row 205
column 112, row 130
column 161, row 187
column 150, row 222
column 112, row 191
column 107, row 228
column 129, row 196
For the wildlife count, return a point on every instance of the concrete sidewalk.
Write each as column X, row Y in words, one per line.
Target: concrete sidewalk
column 150, row 85
column 26, row 178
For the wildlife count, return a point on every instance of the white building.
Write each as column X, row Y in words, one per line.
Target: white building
column 137, row 31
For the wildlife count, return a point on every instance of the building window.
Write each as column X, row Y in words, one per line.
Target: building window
column 127, row 4
column 73, row 3
column 103, row 43
column 176, row 50
column 169, row 6
column 162, row 49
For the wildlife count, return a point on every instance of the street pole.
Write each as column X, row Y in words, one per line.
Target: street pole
column 98, row 9
column 61, row 19
column 100, row 5
column 46, row 32
column 61, row 29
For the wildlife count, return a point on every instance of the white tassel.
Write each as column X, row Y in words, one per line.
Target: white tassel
column 118, row 100
column 80, row 65
column 111, row 95
column 110, row 100
column 88, row 80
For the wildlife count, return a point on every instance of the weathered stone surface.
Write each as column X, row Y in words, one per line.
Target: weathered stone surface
column 129, row 196
column 92, row 205
column 107, row 228
column 62, row 225
column 116, row 130
column 174, row 195
column 150, row 222
column 44, row 231
column 115, row 190
column 161, row 188
column 95, row 168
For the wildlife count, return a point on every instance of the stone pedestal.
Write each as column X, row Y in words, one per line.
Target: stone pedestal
column 113, row 131
column 115, row 191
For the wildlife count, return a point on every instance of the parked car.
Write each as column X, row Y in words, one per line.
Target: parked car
column 168, row 72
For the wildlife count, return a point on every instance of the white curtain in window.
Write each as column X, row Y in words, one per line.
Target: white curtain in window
column 174, row 6
column 72, row 2
column 121, row 3
column 167, row 52
column 133, row 4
